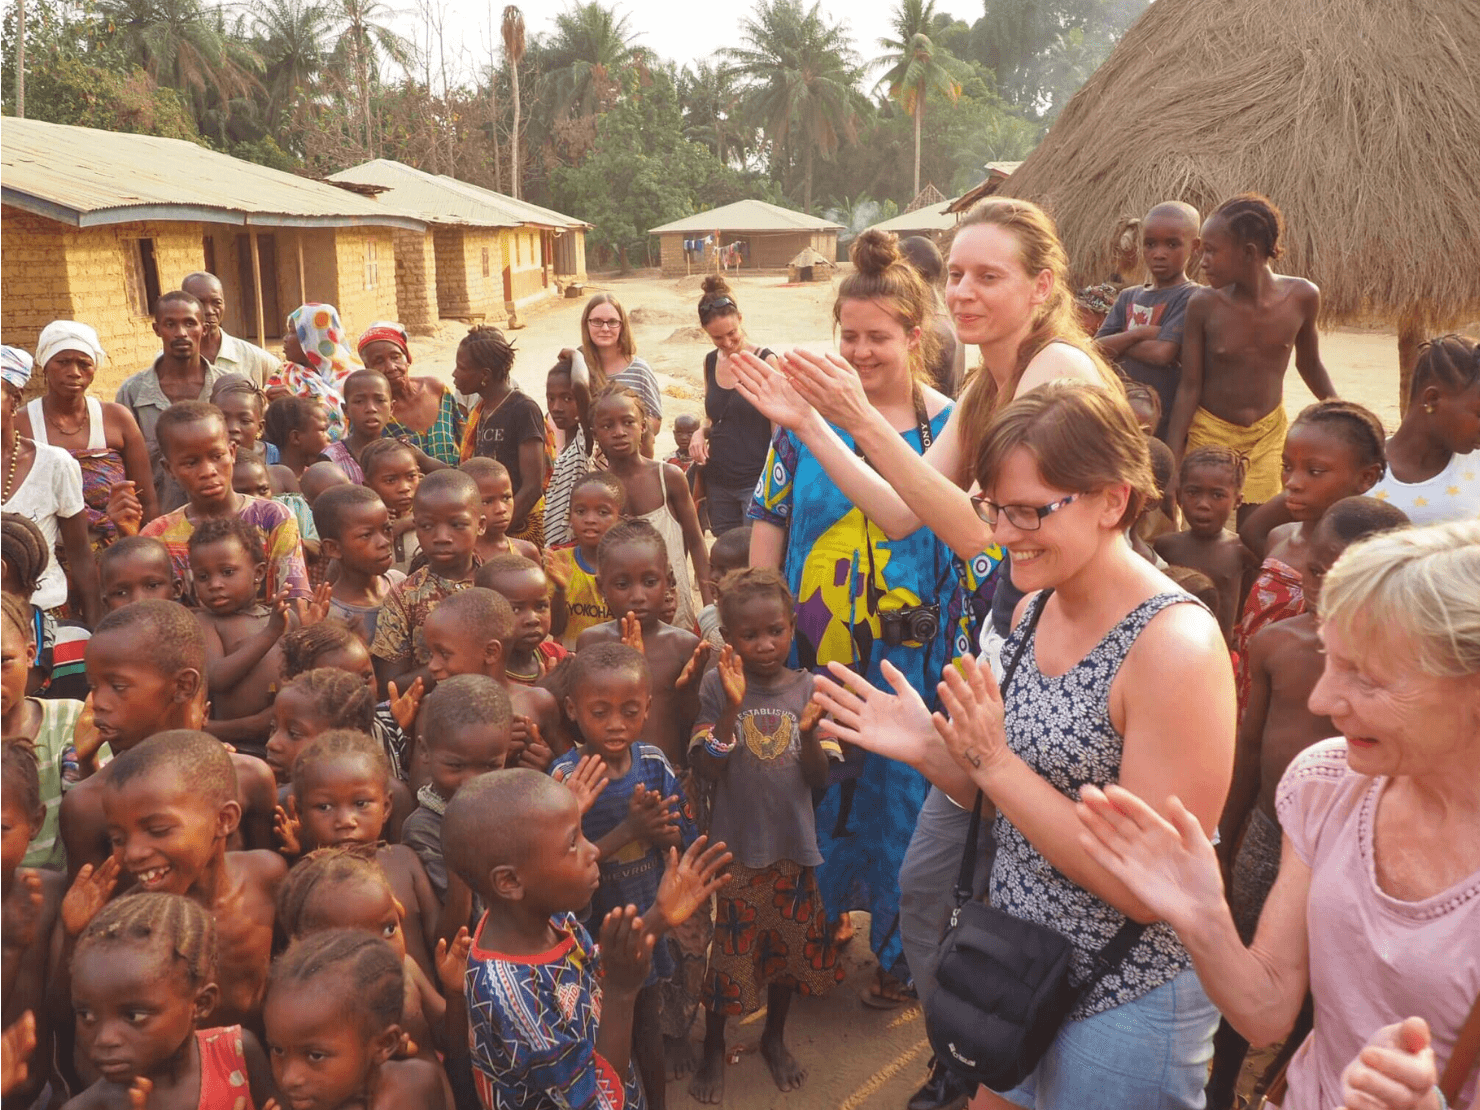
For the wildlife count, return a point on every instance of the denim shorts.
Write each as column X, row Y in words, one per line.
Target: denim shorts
column 1150, row 1054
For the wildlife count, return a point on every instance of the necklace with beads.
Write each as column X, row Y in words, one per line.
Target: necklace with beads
column 15, row 458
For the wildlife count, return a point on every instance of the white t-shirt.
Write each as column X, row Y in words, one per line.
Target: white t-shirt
column 1452, row 494
column 49, row 494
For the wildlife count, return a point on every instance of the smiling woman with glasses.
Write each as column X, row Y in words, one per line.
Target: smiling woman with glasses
column 1063, row 470
column 610, row 352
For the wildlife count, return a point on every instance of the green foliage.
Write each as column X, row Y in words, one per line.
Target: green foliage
column 68, row 90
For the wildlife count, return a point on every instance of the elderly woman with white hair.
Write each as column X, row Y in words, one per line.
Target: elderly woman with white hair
column 1376, row 910
column 104, row 438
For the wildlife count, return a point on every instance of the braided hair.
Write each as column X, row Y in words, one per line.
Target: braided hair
column 18, row 613
column 740, row 586
column 374, row 977
column 303, row 646
column 180, row 926
column 336, row 743
column 319, row 871
column 1214, row 454
column 24, row 550
column 617, row 389
column 377, row 449
column 1451, row 362
column 1357, row 425
column 1254, row 219
column 489, row 350
column 340, row 698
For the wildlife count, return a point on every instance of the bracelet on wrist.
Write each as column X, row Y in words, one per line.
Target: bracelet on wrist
column 715, row 746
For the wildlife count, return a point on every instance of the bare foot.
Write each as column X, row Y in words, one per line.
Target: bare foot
column 708, row 1084
column 679, row 1054
column 785, row 1070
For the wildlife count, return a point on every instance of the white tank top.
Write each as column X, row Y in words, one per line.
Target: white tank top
column 97, row 435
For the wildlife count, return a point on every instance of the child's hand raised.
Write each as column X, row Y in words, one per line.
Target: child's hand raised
column 811, row 716
column 16, row 1045
column 535, row 754
column 689, row 880
column 694, row 668
column 23, row 911
column 288, row 829
column 452, row 962
column 86, row 739
column 557, row 570
column 404, row 706
column 315, row 608
column 124, row 508
column 281, row 603
column 88, row 894
column 631, row 629
column 626, row 950
column 586, row 782
column 731, row 677
column 652, row 817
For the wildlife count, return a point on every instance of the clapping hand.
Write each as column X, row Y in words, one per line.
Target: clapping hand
column 586, row 781
column 404, row 706
column 695, row 666
column 316, row 608
column 651, row 817
column 626, row 949
column 829, row 384
column 452, row 962
column 973, row 732
column 1170, row 865
column 631, row 630
column 288, row 828
column 16, row 1045
column 88, row 894
column 690, row 879
column 769, row 391
column 86, row 739
column 732, row 677
column 1395, row 1070
column 535, row 753
column 894, row 725
column 556, row 569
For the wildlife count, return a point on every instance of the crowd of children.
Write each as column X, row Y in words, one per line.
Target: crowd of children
column 362, row 793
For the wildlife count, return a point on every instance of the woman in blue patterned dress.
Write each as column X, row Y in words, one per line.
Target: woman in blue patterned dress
column 863, row 598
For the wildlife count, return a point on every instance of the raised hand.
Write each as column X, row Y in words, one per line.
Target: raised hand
column 694, row 668
column 828, row 384
column 631, row 629
column 1395, row 1070
column 16, row 1045
column 626, row 949
column 535, row 753
column 22, row 913
column 895, row 725
column 86, row 739
column 652, row 817
column 690, row 879
column 1169, row 865
column 768, row 390
column 586, row 781
column 280, row 603
column 557, row 570
column 124, row 508
column 404, row 706
column 288, row 829
column 731, row 677
column 452, row 962
column 811, row 716
column 317, row 607
column 973, row 732
column 88, row 894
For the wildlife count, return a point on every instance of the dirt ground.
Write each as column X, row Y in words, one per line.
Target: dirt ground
column 857, row 1058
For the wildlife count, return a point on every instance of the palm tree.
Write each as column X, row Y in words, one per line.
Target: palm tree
column 801, row 74
column 513, row 28
column 917, row 67
column 711, row 101
column 180, row 45
column 589, row 45
column 365, row 35
column 291, row 34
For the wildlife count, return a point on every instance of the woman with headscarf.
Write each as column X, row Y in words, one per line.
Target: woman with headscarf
column 45, row 484
column 424, row 412
column 316, row 360
column 103, row 437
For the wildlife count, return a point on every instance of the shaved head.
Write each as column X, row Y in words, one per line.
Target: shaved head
column 1175, row 212
column 488, row 824
column 202, row 284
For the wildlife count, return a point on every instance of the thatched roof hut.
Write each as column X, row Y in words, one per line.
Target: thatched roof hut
column 1359, row 118
column 808, row 265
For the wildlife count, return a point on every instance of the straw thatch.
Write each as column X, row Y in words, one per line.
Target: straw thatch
column 928, row 195
column 1359, row 118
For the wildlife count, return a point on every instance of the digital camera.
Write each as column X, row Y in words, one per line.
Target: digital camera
column 913, row 624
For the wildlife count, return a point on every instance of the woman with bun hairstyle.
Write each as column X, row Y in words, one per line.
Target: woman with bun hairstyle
column 862, row 598
column 1008, row 294
column 610, row 351
column 731, row 443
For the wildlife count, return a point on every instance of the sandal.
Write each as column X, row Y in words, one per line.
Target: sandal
column 886, row 992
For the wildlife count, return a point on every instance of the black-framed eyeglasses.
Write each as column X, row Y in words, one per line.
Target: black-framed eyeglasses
column 1026, row 518
column 595, row 323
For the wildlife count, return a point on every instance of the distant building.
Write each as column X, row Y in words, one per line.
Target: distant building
column 484, row 254
column 768, row 237
column 96, row 224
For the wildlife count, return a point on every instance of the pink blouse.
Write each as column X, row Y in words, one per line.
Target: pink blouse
column 1374, row 960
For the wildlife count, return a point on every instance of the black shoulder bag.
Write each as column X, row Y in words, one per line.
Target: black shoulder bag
column 1004, row 982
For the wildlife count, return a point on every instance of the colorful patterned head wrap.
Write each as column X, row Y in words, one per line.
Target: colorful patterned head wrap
column 15, row 366
column 384, row 331
column 321, row 336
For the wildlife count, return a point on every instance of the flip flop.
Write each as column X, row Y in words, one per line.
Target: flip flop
column 887, row 993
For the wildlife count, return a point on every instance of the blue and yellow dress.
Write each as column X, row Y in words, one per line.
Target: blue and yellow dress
column 844, row 571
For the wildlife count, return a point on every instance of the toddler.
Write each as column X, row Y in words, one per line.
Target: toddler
column 597, row 501
column 530, row 654
column 308, row 705
column 1208, row 488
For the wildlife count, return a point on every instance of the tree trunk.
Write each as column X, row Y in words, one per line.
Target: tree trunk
column 514, row 135
column 919, row 120
column 807, row 178
column 20, row 59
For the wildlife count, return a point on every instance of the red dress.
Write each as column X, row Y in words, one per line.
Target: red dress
column 223, row 1070
column 1277, row 594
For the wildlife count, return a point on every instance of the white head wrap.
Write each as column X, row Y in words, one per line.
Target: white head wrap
column 15, row 366
column 67, row 335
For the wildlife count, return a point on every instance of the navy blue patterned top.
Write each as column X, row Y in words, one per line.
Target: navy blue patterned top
column 1060, row 726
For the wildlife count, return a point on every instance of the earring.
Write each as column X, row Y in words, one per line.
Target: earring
column 1429, row 407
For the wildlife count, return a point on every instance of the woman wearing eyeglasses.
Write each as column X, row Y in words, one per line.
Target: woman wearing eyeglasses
column 610, row 351
column 1124, row 679
column 732, row 442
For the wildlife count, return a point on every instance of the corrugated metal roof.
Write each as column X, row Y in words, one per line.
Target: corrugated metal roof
column 933, row 217
column 85, row 177
column 748, row 215
column 446, row 200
